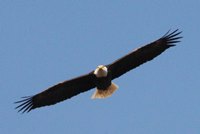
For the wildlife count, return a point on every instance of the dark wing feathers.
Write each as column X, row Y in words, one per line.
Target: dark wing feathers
column 70, row 88
column 143, row 54
column 57, row 93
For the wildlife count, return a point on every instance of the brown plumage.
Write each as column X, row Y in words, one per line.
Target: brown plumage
column 73, row 87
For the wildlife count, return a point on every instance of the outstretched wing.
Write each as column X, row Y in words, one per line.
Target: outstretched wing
column 58, row 93
column 143, row 54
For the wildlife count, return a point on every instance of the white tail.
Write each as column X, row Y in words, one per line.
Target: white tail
column 100, row 94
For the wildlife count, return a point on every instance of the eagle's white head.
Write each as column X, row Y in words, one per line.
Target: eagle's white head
column 101, row 71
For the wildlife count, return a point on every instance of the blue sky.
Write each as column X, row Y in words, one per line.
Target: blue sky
column 46, row 42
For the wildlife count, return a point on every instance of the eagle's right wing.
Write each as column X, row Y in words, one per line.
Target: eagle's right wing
column 58, row 93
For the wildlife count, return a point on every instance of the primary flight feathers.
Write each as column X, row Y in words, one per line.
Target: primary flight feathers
column 101, row 78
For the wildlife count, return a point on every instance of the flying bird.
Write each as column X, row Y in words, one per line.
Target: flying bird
column 100, row 78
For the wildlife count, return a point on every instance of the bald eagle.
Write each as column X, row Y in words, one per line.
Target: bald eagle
column 101, row 77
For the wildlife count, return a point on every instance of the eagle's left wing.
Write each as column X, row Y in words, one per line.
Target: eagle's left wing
column 143, row 54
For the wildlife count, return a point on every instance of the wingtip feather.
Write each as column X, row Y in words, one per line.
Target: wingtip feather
column 26, row 104
column 172, row 37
